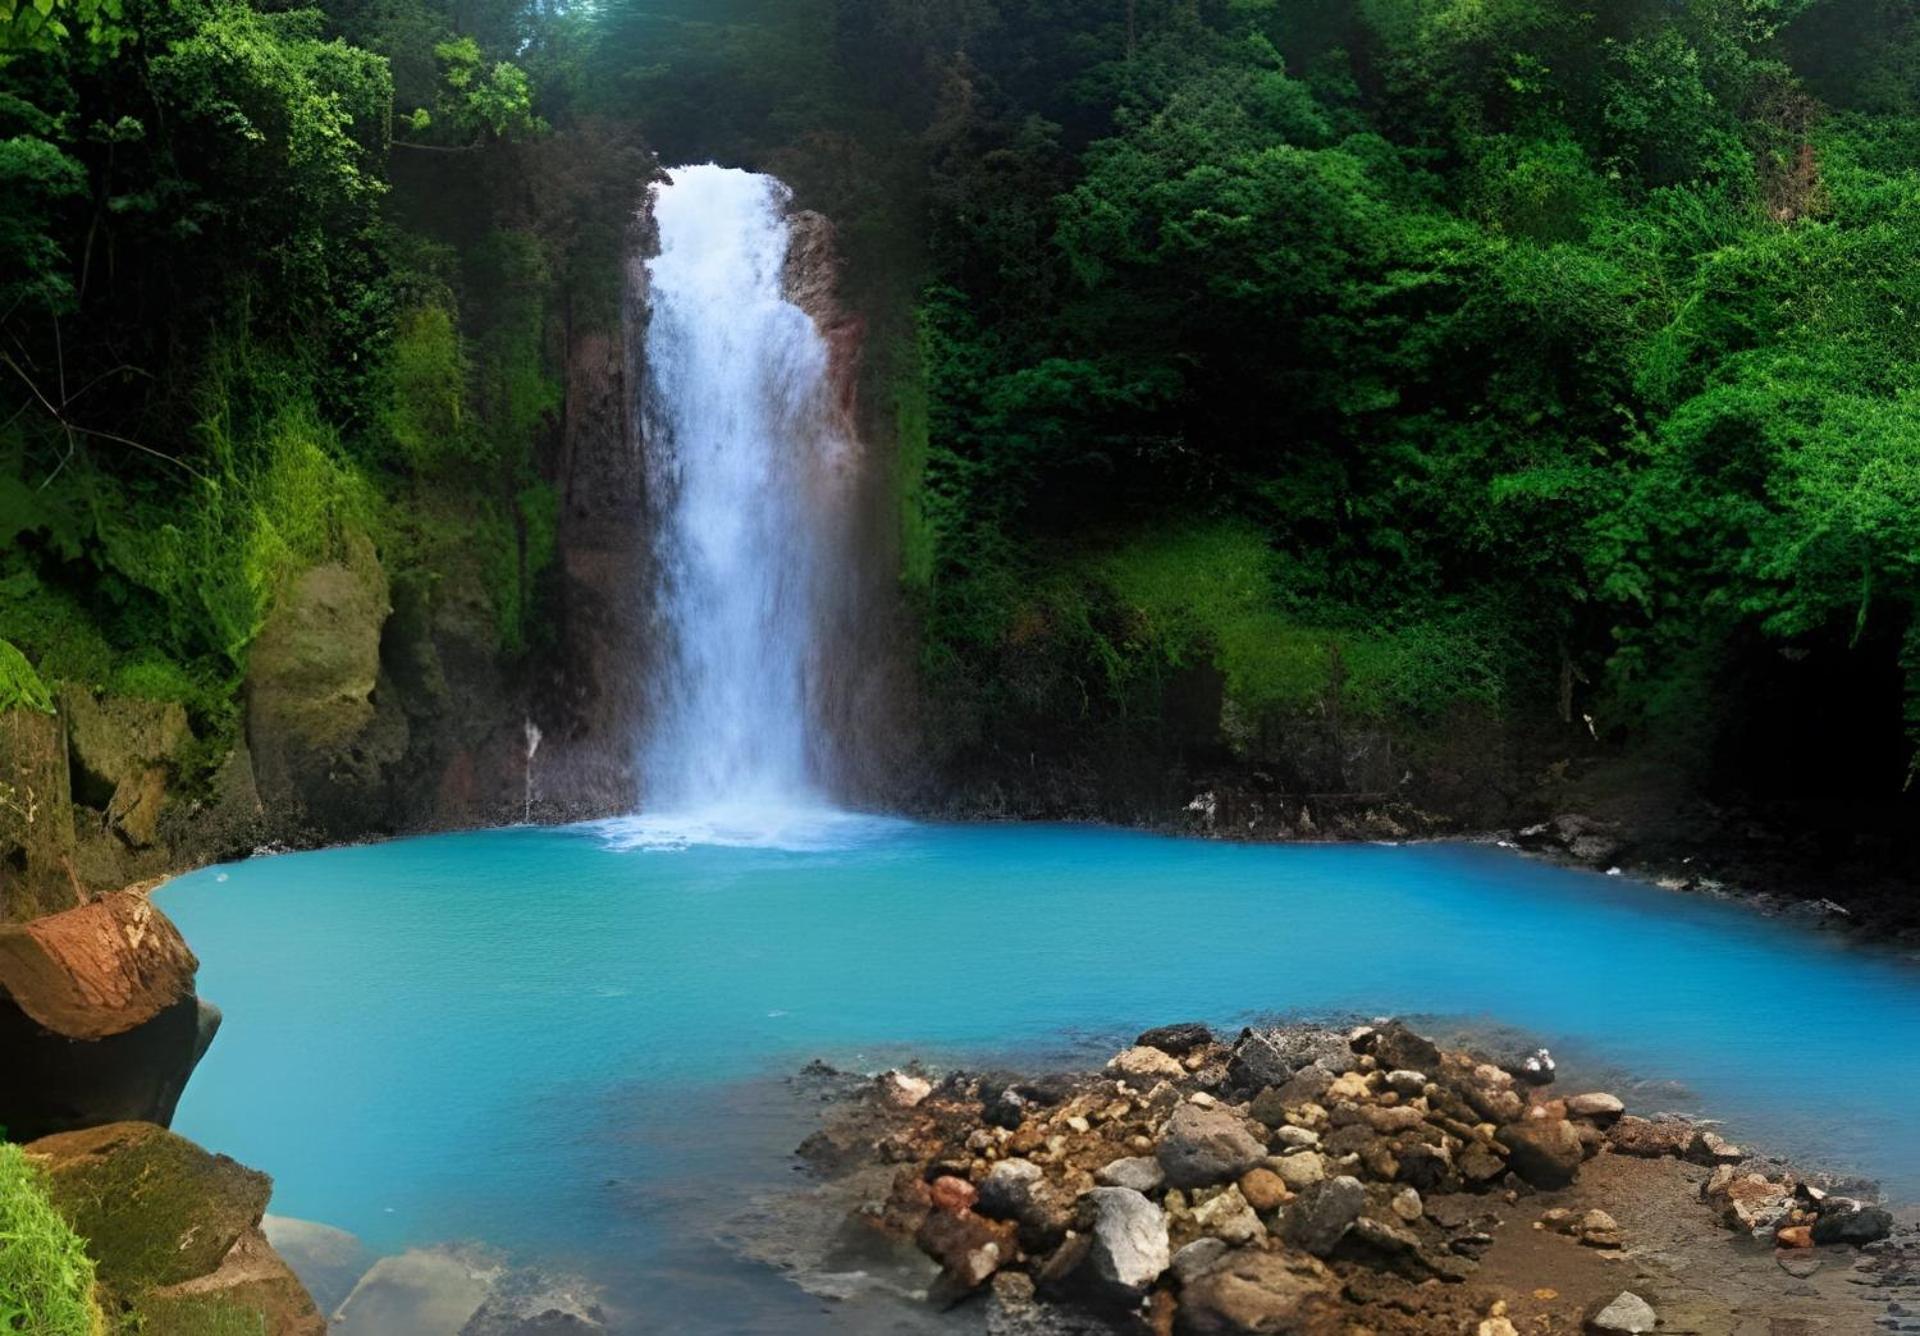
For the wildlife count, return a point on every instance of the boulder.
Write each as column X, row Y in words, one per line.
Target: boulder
column 1197, row 1258
column 899, row 1090
column 1201, row 1146
column 1596, row 1107
column 154, row 1208
column 1129, row 1248
column 1710, row 1148
column 1545, row 1152
column 1256, row 1291
column 969, row 1249
column 1258, row 1061
column 1147, row 1063
column 1178, row 1040
column 1650, row 1138
column 423, row 1292
column 98, row 1018
column 1397, row 1047
column 1751, row 1203
column 1320, row 1216
column 1009, row 1187
column 1843, row 1220
column 1627, row 1314
column 1142, row 1173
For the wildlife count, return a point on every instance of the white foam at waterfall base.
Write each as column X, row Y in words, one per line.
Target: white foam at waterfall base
column 744, row 457
column 795, row 829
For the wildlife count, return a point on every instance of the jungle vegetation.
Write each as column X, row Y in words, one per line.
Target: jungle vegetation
column 1532, row 355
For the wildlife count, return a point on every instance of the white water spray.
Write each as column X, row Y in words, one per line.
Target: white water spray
column 744, row 457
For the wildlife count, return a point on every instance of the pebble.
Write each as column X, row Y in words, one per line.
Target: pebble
column 1407, row 1205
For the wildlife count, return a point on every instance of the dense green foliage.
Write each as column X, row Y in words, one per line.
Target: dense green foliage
column 1382, row 353
column 1378, row 357
column 236, row 341
column 46, row 1277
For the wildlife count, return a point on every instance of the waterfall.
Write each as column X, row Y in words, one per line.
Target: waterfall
column 744, row 456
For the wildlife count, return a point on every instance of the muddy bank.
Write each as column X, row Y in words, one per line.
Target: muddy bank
column 1313, row 1180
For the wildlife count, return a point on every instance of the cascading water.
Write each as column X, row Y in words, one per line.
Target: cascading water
column 744, row 455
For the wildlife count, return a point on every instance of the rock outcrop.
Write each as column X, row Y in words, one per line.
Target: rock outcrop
column 174, row 1231
column 99, row 1021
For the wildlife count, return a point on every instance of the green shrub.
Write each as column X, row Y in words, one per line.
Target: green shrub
column 20, row 686
column 46, row 1277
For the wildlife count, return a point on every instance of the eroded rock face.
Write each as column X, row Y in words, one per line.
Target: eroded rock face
column 99, row 1022
column 320, row 742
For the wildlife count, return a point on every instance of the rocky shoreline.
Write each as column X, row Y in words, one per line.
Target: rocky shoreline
column 1313, row 1180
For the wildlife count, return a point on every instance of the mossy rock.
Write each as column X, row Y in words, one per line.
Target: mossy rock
column 195, row 1315
column 154, row 1208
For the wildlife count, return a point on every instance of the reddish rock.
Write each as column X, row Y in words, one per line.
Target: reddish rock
column 948, row 1193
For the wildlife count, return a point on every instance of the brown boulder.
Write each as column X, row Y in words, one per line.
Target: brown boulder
column 1274, row 1293
column 252, row 1278
column 1545, row 1152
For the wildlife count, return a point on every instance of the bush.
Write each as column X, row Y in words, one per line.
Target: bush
column 46, row 1277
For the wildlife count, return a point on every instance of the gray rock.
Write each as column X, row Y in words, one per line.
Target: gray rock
column 1200, row 1146
column 1843, row 1220
column 1321, row 1215
column 1007, row 1190
column 1142, row 1173
column 1197, row 1258
column 1128, row 1233
column 528, row 1304
column 1710, row 1148
column 1626, row 1315
column 1296, row 1137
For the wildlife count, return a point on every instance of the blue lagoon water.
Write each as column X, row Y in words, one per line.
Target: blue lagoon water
column 567, row 1042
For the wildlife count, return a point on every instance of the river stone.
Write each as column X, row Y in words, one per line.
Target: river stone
column 1264, row 1189
column 1320, row 1216
column 1843, row 1220
column 1296, row 1137
column 1129, row 1240
column 1147, row 1063
column 1749, row 1202
column 1257, row 1291
column 1178, row 1040
column 1229, row 1217
column 1203, row 1146
column 1406, row 1084
column 899, row 1090
column 1142, row 1173
column 154, row 1208
column 1546, row 1152
column 1625, row 1315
